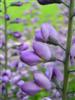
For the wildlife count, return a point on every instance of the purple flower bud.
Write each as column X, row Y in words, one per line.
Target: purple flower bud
column 17, row 20
column 16, row 34
column 53, row 72
column 7, row 17
column 42, row 50
column 5, row 79
column 47, row 33
column 16, row 79
column 29, row 88
column 38, row 35
column 14, row 63
column 2, row 57
column 30, row 58
column 23, row 47
column 1, row 43
column 16, row 3
column 73, row 40
column 45, row 2
column 41, row 80
column 46, row 98
column 57, row 73
column 7, row 72
column 72, row 55
column 6, row 76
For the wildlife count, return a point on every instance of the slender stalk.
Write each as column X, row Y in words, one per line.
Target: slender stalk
column 5, row 32
column 66, row 63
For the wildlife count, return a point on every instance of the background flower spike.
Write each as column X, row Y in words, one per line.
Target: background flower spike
column 45, row 2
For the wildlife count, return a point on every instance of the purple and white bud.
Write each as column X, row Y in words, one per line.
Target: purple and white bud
column 6, row 76
column 23, row 47
column 47, row 34
column 30, row 88
column 30, row 58
column 53, row 72
column 16, row 34
column 41, row 80
column 42, row 50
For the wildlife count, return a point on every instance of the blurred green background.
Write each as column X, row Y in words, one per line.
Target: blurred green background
column 47, row 13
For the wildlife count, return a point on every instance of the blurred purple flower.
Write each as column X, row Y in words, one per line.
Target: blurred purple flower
column 6, row 76
column 41, row 80
column 30, row 58
column 18, row 3
column 14, row 63
column 5, row 79
column 73, row 40
column 2, row 57
column 42, row 50
column 53, row 72
column 17, row 20
column 72, row 55
column 1, row 43
column 16, row 34
column 7, row 17
column 29, row 88
column 23, row 47
column 38, row 35
column 45, row 2
column 16, row 79
column 47, row 33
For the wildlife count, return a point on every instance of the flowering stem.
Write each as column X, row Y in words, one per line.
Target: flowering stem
column 66, row 63
column 5, row 32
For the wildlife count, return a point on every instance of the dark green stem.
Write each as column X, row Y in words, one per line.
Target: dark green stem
column 5, row 32
column 68, row 46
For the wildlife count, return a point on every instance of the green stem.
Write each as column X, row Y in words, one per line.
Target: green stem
column 5, row 32
column 68, row 46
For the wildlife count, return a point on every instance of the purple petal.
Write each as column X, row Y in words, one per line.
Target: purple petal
column 53, row 33
column 14, row 63
column 30, row 88
column 41, row 80
column 45, row 29
column 54, row 72
column 49, row 71
column 16, row 34
column 23, row 47
column 30, row 58
column 72, row 55
column 58, row 74
column 38, row 35
column 42, row 50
